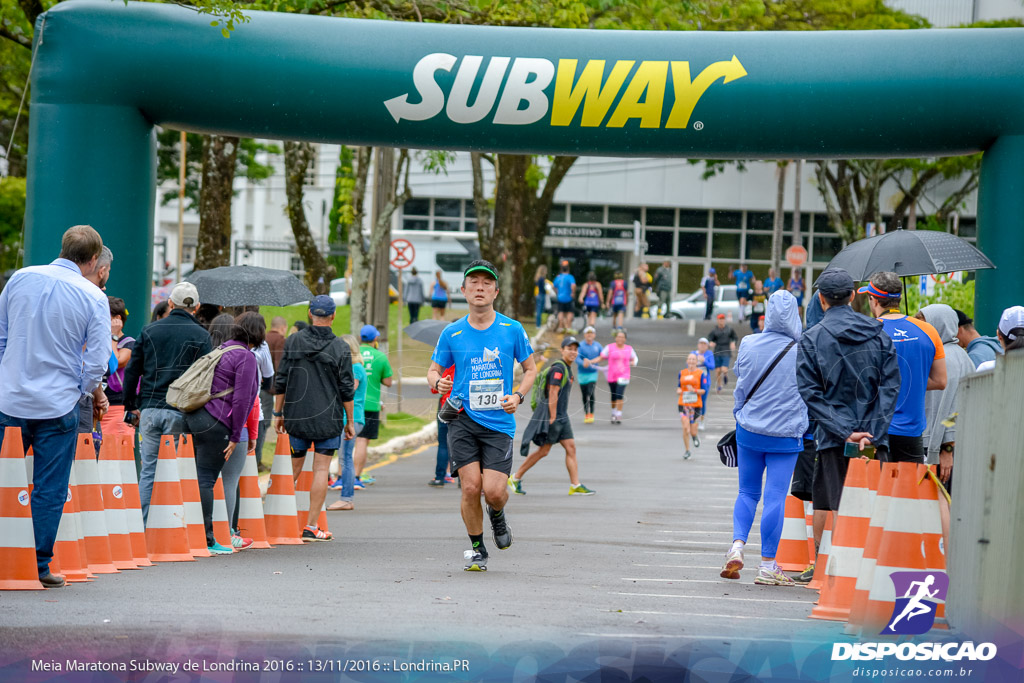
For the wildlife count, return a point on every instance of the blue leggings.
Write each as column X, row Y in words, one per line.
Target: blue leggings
column 752, row 465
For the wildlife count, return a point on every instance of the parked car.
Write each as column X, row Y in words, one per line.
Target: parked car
column 693, row 306
column 339, row 291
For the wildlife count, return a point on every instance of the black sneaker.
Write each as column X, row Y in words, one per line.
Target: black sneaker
column 502, row 535
column 696, row 441
column 805, row 576
column 439, row 483
column 475, row 561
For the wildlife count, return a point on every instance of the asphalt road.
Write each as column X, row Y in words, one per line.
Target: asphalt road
column 638, row 562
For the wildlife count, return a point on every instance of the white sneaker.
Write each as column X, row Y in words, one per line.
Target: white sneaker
column 702, row 427
column 733, row 564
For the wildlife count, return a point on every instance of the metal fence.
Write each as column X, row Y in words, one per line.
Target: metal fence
column 987, row 519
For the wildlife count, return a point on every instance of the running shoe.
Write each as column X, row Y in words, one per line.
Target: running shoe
column 358, row 485
column 702, row 426
column 502, row 535
column 516, row 485
column 733, row 564
column 449, row 479
column 687, row 455
column 588, row 419
column 240, row 543
column 581, row 490
column 367, row 480
column 436, row 483
column 805, row 576
column 475, row 562
column 314, row 534
column 218, row 549
column 335, row 485
column 696, row 441
column 773, row 576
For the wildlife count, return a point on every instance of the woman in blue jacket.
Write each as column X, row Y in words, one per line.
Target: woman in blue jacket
column 769, row 436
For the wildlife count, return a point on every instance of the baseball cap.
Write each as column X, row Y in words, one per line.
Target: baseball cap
column 703, row 339
column 589, row 328
column 322, row 306
column 569, row 341
column 1012, row 318
column 962, row 319
column 884, row 285
column 721, row 316
column 481, row 266
column 185, row 294
column 368, row 333
column 835, row 282
column 711, row 270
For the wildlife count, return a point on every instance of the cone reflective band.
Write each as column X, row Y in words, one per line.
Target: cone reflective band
column 221, row 523
column 279, row 512
column 113, row 506
column 302, row 488
column 821, row 561
column 166, row 534
column 884, row 485
column 132, row 502
column 18, row 567
column 933, row 544
column 190, row 497
column 250, row 504
column 68, row 548
column 93, row 516
column 792, row 553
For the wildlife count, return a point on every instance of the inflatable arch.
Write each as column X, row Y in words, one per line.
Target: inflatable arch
column 106, row 73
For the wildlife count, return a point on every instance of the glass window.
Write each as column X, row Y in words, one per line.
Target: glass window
column 821, row 223
column 825, row 248
column 692, row 218
column 452, row 226
column 728, row 219
column 453, row 262
column 584, row 213
column 689, row 277
column 659, row 242
column 470, row 209
column 663, row 217
column 725, row 245
column 417, row 207
column 415, row 224
column 623, row 215
column 692, row 244
column 557, row 213
column 470, row 226
column 968, row 227
column 760, row 220
column 759, row 247
column 450, row 208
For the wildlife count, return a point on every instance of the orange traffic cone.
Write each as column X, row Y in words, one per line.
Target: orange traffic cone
column 279, row 510
column 113, row 505
column 250, row 504
column 190, row 495
column 67, row 549
column 302, row 487
column 792, row 553
column 809, row 520
column 166, row 535
column 848, row 541
column 883, row 485
column 821, row 561
column 900, row 548
column 221, row 522
column 934, row 547
column 132, row 502
column 18, row 567
column 93, row 517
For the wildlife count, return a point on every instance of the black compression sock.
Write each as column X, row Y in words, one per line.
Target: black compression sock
column 477, row 541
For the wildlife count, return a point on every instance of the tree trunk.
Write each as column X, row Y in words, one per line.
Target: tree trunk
column 780, row 198
column 297, row 158
column 358, row 253
column 219, row 157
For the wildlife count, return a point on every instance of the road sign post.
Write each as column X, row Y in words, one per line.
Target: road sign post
column 403, row 253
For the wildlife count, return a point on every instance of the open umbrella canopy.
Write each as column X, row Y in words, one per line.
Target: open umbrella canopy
column 909, row 252
column 248, row 286
column 426, row 331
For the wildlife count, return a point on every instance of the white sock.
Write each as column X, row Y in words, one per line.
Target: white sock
column 768, row 564
column 737, row 545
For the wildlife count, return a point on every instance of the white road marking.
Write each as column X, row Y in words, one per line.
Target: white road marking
column 752, row 598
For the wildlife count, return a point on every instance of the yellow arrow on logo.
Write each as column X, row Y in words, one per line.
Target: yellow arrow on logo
column 688, row 92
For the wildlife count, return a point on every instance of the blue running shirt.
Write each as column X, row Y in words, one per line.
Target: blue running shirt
column 917, row 345
column 563, row 284
column 479, row 356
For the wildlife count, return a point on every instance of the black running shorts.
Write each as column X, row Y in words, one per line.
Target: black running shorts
column 903, row 449
column 371, row 427
column 471, row 442
column 559, row 431
column 829, row 476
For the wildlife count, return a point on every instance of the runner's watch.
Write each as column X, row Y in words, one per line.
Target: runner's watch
column 521, row 397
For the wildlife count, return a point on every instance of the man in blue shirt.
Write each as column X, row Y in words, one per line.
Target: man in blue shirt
column 744, row 283
column 979, row 348
column 707, row 358
column 46, row 313
column 484, row 347
column 565, row 285
column 773, row 283
column 709, row 287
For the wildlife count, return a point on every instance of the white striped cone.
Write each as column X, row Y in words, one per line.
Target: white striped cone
column 30, row 469
column 821, row 561
column 809, row 520
column 934, row 544
column 93, row 516
column 792, row 551
column 18, row 568
column 302, row 488
column 279, row 511
column 221, row 522
column 166, row 533
column 250, row 504
column 132, row 501
column 866, row 573
column 190, row 497
column 114, row 507
column 67, row 547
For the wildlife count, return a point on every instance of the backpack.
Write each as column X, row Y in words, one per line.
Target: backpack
column 191, row 391
column 540, row 386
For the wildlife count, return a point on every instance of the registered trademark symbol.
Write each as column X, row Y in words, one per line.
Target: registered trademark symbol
column 698, row 125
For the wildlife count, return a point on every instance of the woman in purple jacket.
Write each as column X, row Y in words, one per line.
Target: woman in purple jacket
column 217, row 427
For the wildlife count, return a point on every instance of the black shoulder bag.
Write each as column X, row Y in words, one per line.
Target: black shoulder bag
column 727, row 444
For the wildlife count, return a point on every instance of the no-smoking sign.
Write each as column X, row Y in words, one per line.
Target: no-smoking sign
column 402, row 254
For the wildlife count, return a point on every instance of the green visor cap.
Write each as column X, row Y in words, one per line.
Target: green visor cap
column 480, row 269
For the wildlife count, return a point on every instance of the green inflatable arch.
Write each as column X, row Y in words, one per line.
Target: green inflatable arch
column 106, row 73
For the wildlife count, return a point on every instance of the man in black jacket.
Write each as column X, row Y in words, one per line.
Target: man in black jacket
column 165, row 350
column 848, row 374
column 315, row 389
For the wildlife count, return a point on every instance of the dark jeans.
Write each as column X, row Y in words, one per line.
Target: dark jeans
column 441, row 468
column 53, row 443
column 267, row 406
column 588, row 397
column 540, row 309
column 414, row 312
column 210, row 437
column 709, row 308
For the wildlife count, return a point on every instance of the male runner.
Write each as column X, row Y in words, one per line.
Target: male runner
column 484, row 347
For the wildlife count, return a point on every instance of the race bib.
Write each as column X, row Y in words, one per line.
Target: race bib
column 485, row 394
column 689, row 397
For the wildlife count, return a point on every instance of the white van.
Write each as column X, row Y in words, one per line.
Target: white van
column 449, row 252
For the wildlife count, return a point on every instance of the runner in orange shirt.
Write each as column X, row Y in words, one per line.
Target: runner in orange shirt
column 690, row 393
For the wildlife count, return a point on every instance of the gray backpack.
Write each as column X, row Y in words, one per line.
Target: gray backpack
column 191, row 391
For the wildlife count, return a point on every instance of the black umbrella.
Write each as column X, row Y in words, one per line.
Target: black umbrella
column 248, row 286
column 426, row 331
column 910, row 252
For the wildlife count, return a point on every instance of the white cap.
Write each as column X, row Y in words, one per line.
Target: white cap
column 185, row 294
column 703, row 339
column 589, row 328
column 1012, row 317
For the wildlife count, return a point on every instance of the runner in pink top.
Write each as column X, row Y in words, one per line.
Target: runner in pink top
column 621, row 357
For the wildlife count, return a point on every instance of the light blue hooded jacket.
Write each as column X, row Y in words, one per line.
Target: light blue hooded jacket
column 777, row 409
